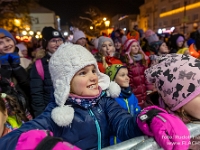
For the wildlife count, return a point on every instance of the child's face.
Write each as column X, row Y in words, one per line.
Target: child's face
column 164, row 49
column 24, row 53
column 3, row 118
column 7, row 45
column 85, row 82
column 122, row 78
column 180, row 43
column 135, row 48
column 81, row 41
column 193, row 107
column 108, row 49
column 118, row 45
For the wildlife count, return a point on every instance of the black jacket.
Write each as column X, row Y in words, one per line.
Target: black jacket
column 41, row 90
column 111, row 117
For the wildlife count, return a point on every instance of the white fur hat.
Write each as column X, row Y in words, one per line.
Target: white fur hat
column 63, row 65
column 77, row 35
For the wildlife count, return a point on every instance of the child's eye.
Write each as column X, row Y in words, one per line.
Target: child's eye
column 82, row 73
column 94, row 71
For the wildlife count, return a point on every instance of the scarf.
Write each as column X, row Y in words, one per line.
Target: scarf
column 126, row 92
column 86, row 102
column 137, row 57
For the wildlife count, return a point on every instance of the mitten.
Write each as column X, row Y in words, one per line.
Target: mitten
column 14, row 59
column 42, row 140
column 168, row 130
column 4, row 59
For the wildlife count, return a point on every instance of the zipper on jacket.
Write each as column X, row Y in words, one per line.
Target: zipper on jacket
column 97, row 127
column 126, row 101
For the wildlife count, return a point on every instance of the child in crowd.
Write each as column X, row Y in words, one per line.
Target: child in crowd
column 136, row 65
column 10, row 65
column 40, row 80
column 5, row 127
column 178, row 44
column 23, row 53
column 176, row 79
column 79, row 38
column 12, row 115
column 81, row 113
column 126, row 99
column 107, row 53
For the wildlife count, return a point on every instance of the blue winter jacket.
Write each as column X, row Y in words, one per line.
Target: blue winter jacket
column 112, row 120
column 130, row 105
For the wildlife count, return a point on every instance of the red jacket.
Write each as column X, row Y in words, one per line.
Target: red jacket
column 138, row 81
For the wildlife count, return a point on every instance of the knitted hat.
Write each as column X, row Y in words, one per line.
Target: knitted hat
column 155, row 46
column 176, row 79
column 63, row 65
column 180, row 39
column 151, row 36
column 133, row 35
column 127, row 49
column 21, row 46
column 48, row 33
column 103, row 39
column 77, row 35
column 5, row 33
column 112, row 70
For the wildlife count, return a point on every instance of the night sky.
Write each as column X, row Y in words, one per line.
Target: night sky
column 68, row 9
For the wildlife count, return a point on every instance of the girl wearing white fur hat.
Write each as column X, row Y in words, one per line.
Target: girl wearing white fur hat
column 80, row 113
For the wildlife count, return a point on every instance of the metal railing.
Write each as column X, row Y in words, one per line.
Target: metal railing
column 147, row 143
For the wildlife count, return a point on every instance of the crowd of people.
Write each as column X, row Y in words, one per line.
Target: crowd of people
column 90, row 94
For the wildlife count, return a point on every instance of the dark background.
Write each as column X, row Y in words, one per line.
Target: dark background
column 69, row 9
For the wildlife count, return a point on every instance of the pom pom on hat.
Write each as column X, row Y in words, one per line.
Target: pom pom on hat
column 78, row 35
column 5, row 33
column 113, row 90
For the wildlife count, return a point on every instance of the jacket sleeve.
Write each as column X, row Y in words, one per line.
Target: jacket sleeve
column 37, row 92
column 22, row 78
column 122, row 123
column 43, row 122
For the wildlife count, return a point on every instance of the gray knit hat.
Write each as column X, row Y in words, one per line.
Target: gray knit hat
column 102, row 39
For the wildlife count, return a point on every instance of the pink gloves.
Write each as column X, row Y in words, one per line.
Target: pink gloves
column 168, row 130
column 41, row 140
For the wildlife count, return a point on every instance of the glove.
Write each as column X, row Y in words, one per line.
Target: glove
column 14, row 59
column 152, row 57
column 168, row 130
column 4, row 59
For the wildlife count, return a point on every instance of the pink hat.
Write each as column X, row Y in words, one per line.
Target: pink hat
column 127, row 49
column 176, row 79
column 77, row 35
column 151, row 36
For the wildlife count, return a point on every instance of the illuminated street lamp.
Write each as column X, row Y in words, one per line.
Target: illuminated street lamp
column 38, row 33
column 91, row 27
column 31, row 32
column 104, row 19
column 107, row 23
column 24, row 32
